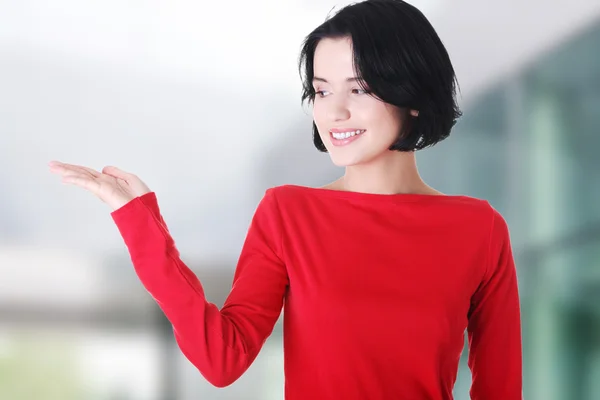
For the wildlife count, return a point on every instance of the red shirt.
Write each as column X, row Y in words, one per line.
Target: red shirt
column 377, row 293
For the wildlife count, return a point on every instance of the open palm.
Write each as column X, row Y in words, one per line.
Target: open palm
column 113, row 186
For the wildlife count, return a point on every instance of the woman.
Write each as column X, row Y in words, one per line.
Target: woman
column 379, row 273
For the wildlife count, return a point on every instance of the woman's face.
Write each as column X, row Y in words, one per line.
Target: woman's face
column 355, row 127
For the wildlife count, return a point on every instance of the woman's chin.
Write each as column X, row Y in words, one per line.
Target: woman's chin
column 345, row 160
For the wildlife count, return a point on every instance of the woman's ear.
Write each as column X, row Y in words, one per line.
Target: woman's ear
column 414, row 113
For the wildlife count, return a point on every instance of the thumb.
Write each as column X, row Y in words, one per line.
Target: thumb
column 116, row 172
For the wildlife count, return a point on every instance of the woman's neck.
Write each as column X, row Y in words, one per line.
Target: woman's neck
column 395, row 174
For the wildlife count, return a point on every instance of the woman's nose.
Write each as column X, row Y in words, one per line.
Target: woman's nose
column 338, row 110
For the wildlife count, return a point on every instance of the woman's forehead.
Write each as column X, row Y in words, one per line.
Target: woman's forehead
column 334, row 60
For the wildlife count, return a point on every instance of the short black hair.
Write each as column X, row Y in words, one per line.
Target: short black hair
column 400, row 59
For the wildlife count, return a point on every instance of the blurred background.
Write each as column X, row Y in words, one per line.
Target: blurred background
column 202, row 100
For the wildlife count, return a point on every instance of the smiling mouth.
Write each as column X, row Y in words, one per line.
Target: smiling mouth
column 347, row 134
column 346, row 137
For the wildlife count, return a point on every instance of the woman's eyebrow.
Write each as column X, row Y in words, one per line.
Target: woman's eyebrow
column 351, row 79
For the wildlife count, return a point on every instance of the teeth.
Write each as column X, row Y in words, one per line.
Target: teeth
column 346, row 135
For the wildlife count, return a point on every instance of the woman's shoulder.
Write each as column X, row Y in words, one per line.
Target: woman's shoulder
column 298, row 193
column 456, row 209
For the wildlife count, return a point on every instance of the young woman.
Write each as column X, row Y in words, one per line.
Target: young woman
column 379, row 274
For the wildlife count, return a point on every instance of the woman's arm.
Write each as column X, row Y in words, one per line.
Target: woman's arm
column 494, row 329
column 222, row 344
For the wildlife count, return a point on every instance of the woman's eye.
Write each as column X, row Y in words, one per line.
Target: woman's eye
column 360, row 91
column 321, row 93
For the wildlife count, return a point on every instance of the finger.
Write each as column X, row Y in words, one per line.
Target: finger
column 82, row 181
column 117, row 173
column 74, row 174
column 58, row 167
column 61, row 169
column 90, row 171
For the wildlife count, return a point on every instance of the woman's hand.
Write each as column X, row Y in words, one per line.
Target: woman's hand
column 113, row 186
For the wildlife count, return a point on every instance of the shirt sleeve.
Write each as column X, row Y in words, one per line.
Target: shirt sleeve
column 221, row 344
column 494, row 327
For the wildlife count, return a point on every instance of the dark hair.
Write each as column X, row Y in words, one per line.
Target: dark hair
column 401, row 60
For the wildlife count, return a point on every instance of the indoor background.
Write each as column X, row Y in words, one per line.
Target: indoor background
column 201, row 99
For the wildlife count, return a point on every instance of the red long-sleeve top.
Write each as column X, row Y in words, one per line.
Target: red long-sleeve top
column 377, row 292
